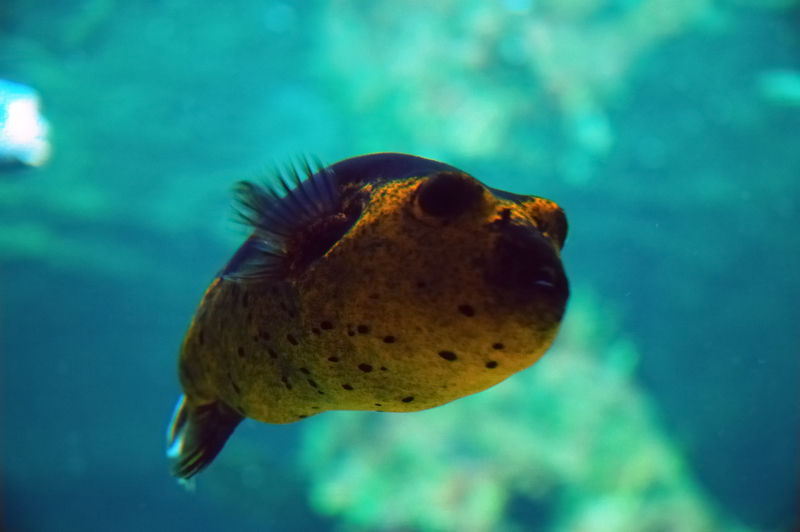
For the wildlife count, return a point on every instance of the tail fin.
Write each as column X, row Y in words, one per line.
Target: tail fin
column 197, row 434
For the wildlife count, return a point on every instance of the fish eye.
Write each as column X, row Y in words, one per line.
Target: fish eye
column 449, row 194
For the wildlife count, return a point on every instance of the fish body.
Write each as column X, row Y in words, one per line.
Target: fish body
column 384, row 282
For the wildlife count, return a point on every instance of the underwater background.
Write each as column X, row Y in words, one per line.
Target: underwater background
column 668, row 130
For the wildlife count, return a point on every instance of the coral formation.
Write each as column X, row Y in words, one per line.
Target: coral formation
column 473, row 77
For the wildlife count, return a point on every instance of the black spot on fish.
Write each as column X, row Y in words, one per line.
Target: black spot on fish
column 249, row 317
column 201, row 337
column 466, row 310
column 315, row 407
column 245, row 299
column 366, row 368
column 407, row 399
column 497, row 346
column 240, row 351
column 383, row 368
column 388, row 339
column 272, row 353
column 505, row 217
column 315, row 330
column 421, row 284
column 347, row 387
column 350, row 333
column 305, row 370
column 265, row 335
column 363, row 329
column 285, row 381
column 491, row 364
column 236, row 388
column 283, row 306
column 320, row 392
column 448, row 355
column 255, row 338
column 302, row 417
column 326, row 325
column 312, row 383
column 292, row 339
column 333, row 359
column 187, row 373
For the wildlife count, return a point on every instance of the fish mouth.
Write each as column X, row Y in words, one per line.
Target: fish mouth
column 526, row 270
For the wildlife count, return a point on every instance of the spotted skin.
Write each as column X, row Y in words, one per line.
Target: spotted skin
column 407, row 310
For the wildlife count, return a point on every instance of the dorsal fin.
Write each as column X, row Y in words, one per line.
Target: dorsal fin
column 276, row 210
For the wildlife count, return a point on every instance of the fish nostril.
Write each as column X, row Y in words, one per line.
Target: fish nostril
column 449, row 194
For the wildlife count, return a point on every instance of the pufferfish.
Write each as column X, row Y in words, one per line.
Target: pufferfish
column 383, row 282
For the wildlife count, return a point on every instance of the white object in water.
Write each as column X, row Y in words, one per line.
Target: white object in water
column 23, row 130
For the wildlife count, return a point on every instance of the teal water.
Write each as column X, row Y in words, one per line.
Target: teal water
column 668, row 131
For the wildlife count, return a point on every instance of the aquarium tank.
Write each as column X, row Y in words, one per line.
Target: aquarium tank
column 667, row 130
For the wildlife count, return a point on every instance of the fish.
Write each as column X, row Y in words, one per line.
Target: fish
column 386, row 282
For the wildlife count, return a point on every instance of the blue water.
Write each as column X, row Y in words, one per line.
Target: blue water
column 672, row 147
